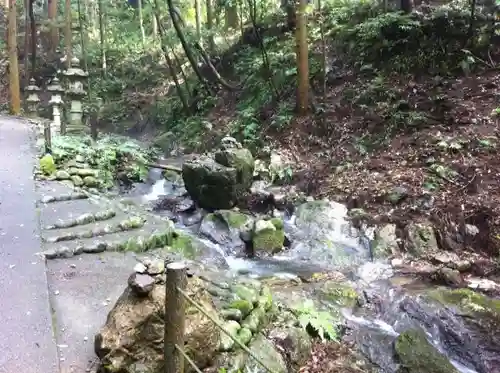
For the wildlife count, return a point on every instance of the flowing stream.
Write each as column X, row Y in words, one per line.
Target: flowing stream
column 373, row 329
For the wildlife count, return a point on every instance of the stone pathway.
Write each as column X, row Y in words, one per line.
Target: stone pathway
column 53, row 304
column 81, row 237
column 26, row 335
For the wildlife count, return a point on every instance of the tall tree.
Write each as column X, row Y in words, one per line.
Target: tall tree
column 54, row 27
column 210, row 26
column 197, row 12
column 141, row 23
column 302, row 58
column 231, row 15
column 14, row 86
column 102, row 36
column 67, row 32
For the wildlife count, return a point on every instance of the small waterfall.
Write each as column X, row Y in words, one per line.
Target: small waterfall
column 157, row 190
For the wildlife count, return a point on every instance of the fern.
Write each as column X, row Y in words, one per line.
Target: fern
column 321, row 323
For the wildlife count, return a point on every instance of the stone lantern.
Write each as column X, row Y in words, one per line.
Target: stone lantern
column 32, row 100
column 56, row 101
column 75, row 93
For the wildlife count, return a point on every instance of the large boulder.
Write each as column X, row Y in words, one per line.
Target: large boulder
column 219, row 183
column 133, row 333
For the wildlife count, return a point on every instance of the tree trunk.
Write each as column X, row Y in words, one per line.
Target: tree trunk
column 67, row 32
column 302, row 59
column 33, row 34
column 141, row 24
column 210, row 26
column 232, row 16
column 14, row 89
column 197, row 11
column 170, row 64
column 155, row 27
column 102, row 38
column 82, row 22
column 54, row 29
column 187, row 49
column 26, row 41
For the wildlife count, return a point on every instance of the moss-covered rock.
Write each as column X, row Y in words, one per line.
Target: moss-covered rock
column 76, row 180
column 47, row 165
column 241, row 160
column 210, row 184
column 184, row 245
column 417, row 355
column 339, row 294
column 267, row 238
column 470, row 302
column 90, row 182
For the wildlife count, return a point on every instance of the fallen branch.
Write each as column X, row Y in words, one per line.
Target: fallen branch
column 165, row 167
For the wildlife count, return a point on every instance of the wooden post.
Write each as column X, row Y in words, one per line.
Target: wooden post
column 174, row 317
column 47, row 135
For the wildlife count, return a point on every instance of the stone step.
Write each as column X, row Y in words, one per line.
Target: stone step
column 54, row 213
column 151, row 235
column 113, row 224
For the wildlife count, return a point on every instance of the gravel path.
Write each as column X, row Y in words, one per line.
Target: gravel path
column 26, row 333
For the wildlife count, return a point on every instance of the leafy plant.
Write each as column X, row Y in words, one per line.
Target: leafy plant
column 316, row 323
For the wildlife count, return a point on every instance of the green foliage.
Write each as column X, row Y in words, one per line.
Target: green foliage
column 110, row 156
column 320, row 323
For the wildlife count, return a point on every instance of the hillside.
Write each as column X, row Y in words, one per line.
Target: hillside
column 407, row 128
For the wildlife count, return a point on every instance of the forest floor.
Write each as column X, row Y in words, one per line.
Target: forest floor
column 433, row 143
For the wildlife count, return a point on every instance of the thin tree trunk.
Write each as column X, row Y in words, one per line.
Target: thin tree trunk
column 81, row 22
column 102, row 38
column 232, row 16
column 302, row 59
column 197, row 11
column 155, row 27
column 26, row 41
column 187, row 49
column 33, row 37
column 170, row 65
column 210, row 26
column 141, row 24
column 67, row 32
column 14, row 86
column 54, row 29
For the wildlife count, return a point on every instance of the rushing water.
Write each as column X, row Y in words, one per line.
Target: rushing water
column 373, row 331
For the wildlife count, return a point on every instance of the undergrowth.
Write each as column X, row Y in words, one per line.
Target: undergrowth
column 366, row 40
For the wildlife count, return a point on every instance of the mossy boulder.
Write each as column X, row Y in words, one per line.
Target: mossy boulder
column 47, row 165
column 62, row 175
column 241, row 160
column 268, row 236
column 210, row 184
column 417, row 355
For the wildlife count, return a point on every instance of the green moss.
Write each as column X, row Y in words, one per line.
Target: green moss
column 270, row 241
column 234, row 219
column 243, row 305
column 184, row 245
column 340, row 294
column 469, row 301
column 417, row 355
column 278, row 223
column 171, row 176
column 47, row 165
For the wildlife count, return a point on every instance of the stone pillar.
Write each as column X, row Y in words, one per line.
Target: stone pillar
column 56, row 101
column 32, row 100
column 75, row 93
